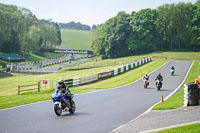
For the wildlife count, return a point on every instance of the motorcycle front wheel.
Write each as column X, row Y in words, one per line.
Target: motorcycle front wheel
column 73, row 107
column 57, row 110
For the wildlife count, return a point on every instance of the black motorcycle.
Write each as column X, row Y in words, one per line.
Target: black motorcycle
column 146, row 83
column 158, row 84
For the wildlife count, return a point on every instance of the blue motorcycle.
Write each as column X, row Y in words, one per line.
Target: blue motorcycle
column 63, row 104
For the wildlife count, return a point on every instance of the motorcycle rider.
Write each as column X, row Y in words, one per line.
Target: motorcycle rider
column 160, row 78
column 172, row 68
column 146, row 80
column 64, row 90
column 146, row 77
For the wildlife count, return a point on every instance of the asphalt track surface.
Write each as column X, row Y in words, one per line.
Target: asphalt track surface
column 97, row 112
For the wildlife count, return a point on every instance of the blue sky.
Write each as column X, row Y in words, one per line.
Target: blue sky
column 86, row 11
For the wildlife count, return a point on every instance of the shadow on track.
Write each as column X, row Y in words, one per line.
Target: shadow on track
column 76, row 114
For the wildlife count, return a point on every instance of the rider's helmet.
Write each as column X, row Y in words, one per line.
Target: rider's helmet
column 61, row 82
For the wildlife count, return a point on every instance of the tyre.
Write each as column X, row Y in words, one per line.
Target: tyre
column 158, row 87
column 145, row 86
column 57, row 110
column 73, row 107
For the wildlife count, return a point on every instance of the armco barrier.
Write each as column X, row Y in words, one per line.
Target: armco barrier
column 104, row 75
column 76, row 81
column 87, row 79
column 112, row 73
column 69, row 82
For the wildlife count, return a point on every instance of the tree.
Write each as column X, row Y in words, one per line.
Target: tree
column 73, row 25
column 109, row 40
column 21, row 32
column 49, row 35
column 58, row 34
column 195, row 26
column 197, row 3
column 94, row 27
column 31, row 41
column 144, row 37
column 173, row 24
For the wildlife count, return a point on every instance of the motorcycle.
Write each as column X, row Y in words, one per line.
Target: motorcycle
column 62, row 104
column 158, row 84
column 172, row 72
column 146, row 83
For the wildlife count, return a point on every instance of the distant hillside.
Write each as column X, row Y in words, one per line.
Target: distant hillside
column 74, row 25
column 76, row 39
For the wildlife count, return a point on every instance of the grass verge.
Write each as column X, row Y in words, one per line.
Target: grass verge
column 194, row 128
column 177, row 99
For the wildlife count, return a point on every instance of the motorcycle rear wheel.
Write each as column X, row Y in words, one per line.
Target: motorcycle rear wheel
column 57, row 110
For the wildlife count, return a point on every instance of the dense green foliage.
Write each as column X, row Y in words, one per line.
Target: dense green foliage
column 109, row 40
column 75, row 26
column 170, row 27
column 21, row 32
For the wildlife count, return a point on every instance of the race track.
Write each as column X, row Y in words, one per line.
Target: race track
column 97, row 112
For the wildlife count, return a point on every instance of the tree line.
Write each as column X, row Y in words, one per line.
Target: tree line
column 22, row 33
column 170, row 27
column 77, row 26
column 74, row 25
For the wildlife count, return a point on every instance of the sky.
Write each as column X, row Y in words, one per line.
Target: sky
column 86, row 11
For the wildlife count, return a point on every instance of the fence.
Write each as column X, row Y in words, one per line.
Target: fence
column 104, row 75
column 20, row 86
column 39, row 64
column 42, row 84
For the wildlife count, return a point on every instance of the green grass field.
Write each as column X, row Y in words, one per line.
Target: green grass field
column 76, row 39
column 194, row 128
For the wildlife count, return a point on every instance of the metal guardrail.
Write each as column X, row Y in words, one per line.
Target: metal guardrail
column 104, row 75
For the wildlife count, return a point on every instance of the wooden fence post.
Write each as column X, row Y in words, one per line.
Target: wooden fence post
column 18, row 89
column 39, row 86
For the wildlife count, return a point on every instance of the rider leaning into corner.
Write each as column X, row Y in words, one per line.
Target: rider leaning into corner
column 64, row 89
